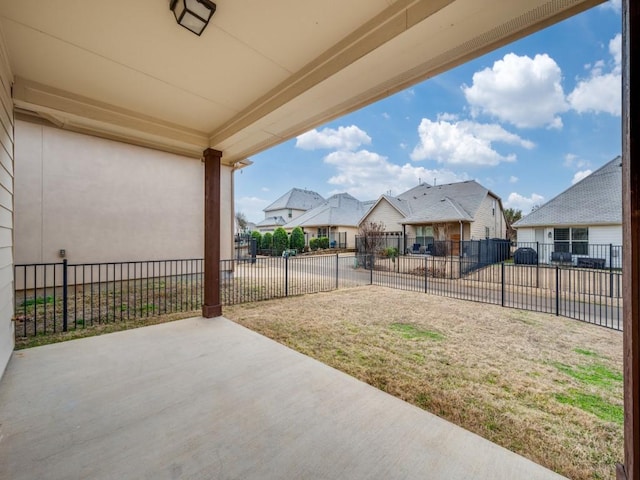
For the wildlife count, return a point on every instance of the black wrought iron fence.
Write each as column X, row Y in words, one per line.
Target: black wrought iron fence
column 55, row 297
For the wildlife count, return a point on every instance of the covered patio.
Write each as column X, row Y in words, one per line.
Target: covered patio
column 204, row 398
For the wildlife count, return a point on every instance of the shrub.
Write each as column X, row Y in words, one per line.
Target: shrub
column 280, row 240
column 267, row 241
column 297, row 239
column 391, row 252
column 323, row 242
column 313, row 244
column 258, row 237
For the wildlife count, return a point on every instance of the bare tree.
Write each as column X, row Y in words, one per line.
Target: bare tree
column 241, row 222
column 371, row 236
column 512, row 215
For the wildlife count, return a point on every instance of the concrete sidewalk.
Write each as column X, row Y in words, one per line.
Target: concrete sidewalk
column 209, row 399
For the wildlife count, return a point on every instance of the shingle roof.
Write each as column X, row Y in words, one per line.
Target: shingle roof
column 297, row 199
column 340, row 210
column 443, row 203
column 271, row 222
column 595, row 200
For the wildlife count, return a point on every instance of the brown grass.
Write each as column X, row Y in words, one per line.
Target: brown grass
column 524, row 380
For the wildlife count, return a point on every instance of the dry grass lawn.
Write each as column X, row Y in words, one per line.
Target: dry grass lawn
column 545, row 387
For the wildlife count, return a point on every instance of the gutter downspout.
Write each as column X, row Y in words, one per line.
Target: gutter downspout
column 461, row 238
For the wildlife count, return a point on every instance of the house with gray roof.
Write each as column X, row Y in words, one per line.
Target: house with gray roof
column 454, row 212
column 289, row 206
column 336, row 218
column 585, row 219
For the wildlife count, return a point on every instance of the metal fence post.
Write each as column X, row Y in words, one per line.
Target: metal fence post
column 65, row 296
column 502, row 275
column 557, row 291
column 371, row 269
column 611, row 270
column 286, row 275
column 337, row 270
column 426, row 272
column 537, row 264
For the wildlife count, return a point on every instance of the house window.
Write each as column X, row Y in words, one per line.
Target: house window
column 424, row 236
column 574, row 240
column 493, row 209
column 323, row 232
column 290, row 213
column 487, row 233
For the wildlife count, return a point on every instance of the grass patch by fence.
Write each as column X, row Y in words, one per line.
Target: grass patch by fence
column 542, row 386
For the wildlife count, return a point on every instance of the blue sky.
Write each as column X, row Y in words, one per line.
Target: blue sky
column 525, row 121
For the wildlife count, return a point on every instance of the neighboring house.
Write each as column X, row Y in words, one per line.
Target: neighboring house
column 336, row 218
column 269, row 224
column 585, row 219
column 454, row 212
column 289, row 206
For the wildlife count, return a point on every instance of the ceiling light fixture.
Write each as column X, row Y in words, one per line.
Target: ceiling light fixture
column 194, row 15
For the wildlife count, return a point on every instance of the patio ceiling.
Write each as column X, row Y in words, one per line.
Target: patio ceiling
column 261, row 73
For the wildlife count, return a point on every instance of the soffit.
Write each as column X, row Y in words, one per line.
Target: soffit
column 261, row 73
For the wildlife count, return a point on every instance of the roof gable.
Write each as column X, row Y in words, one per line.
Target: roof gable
column 340, row 209
column 448, row 202
column 296, row 199
column 595, row 200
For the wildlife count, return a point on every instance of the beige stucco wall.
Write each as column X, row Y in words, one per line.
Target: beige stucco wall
column 6, row 210
column 102, row 200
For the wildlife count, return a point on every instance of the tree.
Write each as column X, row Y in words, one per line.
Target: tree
column 441, row 235
column 512, row 216
column 241, row 222
column 258, row 237
column 267, row 241
column 297, row 239
column 371, row 236
column 280, row 240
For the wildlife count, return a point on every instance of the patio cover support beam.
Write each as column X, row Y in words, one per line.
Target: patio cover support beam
column 212, row 307
column 631, row 240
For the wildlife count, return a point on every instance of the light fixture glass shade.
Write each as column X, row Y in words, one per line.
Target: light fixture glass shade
column 194, row 15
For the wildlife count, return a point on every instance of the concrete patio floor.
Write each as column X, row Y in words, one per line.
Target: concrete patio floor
column 209, row 399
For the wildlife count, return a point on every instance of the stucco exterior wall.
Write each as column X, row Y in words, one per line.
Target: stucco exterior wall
column 102, row 200
column 489, row 215
column 6, row 210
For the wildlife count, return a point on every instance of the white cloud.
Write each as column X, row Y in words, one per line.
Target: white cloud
column 573, row 161
column 344, row 138
column 513, row 179
column 520, row 90
column 615, row 5
column 601, row 92
column 265, row 189
column 447, row 117
column 252, row 207
column 386, row 116
column 464, row 143
column 520, row 202
column 580, row 175
column 366, row 175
